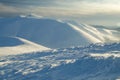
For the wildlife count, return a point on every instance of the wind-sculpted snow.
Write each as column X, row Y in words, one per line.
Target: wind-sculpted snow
column 98, row 35
column 55, row 33
column 16, row 45
column 93, row 62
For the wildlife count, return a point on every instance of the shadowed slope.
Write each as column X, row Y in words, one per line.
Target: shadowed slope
column 9, row 41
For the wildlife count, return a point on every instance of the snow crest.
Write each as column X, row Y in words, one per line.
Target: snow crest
column 25, row 47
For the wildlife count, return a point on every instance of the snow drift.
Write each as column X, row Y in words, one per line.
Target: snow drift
column 16, row 45
column 93, row 62
column 55, row 34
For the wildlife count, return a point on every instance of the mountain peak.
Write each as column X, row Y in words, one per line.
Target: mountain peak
column 30, row 16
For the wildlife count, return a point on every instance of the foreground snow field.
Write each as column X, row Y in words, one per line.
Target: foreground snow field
column 44, row 49
column 93, row 62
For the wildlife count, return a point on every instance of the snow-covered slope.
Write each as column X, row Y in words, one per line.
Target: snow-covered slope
column 101, row 34
column 93, row 62
column 55, row 33
column 100, row 61
column 16, row 45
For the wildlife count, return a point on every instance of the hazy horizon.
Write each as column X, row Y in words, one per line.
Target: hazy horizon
column 96, row 12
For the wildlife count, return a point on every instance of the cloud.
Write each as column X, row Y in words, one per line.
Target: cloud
column 60, row 7
column 86, row 10
column 6, row 10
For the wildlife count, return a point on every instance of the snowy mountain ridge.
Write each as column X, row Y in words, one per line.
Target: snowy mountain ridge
column 46, row 31
column 98, row 35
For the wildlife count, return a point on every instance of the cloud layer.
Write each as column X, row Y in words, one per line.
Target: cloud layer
column 81, row 9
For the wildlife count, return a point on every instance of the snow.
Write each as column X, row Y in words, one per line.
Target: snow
column 56, row 33
column 98, row 35
column 105, row 55
column 3, row 63
column 27, row 47
column 92, row 38
column 45, row 49
column 88, row 63
column 31, row 16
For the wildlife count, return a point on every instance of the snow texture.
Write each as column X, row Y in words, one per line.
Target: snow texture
column 16, row 45
column 93, row 62
column 43, row 49
column 55, row 33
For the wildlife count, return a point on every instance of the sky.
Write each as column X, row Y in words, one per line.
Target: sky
column 97, row 12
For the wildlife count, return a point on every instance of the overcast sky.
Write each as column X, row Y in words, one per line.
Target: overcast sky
column 103, row 12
